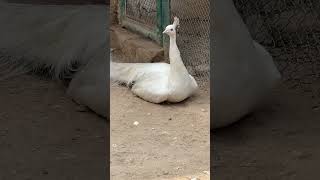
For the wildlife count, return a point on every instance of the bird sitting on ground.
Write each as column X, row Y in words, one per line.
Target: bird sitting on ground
column 158, row 82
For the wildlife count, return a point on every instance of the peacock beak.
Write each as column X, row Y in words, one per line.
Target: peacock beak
column 164, row 32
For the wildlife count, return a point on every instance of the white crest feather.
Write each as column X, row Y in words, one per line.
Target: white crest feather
column 176, row 22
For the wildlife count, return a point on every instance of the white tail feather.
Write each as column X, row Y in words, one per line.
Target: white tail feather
column 124, row 72
column 128, row 73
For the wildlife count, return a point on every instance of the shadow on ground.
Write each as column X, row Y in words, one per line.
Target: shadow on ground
column 44, row 135
column 277, row 142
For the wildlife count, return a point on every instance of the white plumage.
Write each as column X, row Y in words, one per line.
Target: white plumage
column 158, row 82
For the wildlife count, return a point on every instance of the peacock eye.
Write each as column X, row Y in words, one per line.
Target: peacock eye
column 171, row 29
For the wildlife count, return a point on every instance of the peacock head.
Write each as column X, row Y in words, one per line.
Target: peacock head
column 171, row 29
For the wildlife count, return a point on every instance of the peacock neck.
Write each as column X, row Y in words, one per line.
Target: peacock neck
column 174, row 56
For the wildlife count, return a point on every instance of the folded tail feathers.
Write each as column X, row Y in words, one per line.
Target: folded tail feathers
column 124, row 72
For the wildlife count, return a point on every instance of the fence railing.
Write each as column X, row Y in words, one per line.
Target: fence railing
column 148, row 17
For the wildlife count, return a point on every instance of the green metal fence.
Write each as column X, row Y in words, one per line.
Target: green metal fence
column 148, row 17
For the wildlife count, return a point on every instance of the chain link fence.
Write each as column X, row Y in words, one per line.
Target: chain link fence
column 193, row 37
column 290, row 30
column 145, row 16
column 143, row 11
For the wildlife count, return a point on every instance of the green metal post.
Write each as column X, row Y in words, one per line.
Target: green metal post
column 163, row 16
column 159, row 20
column 122, row 5
column 163, row 19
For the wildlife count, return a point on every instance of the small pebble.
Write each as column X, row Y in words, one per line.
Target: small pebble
column 149, row 114
column 164, row 132
column 165, row 172
column 114, row 145
column 153, row 128
column 170, row 119
column 203, row 110
column 136, row 123
column 130, row 160
column 195, row 179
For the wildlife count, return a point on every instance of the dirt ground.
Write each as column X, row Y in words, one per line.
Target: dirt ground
column 171, row 140
column 280, row 141
column 44, row 135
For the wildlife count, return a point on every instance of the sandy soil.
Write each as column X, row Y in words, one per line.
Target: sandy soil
column 279, row 142
column 170, row 141
column 44, row 135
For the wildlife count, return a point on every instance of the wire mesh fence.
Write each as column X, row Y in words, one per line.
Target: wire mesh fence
column 290, row 30
column 193, row 37
column 143, row 11
column 146, row 17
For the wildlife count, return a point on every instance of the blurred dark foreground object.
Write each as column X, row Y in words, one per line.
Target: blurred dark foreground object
column 58, row 41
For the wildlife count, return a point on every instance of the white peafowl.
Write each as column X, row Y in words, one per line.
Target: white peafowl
column 158, row 82
column 243, row 72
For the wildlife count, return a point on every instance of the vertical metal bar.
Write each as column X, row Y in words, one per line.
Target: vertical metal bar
column 163, row 21
column 122, row 4
column 159, row 20
column 163, row 17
